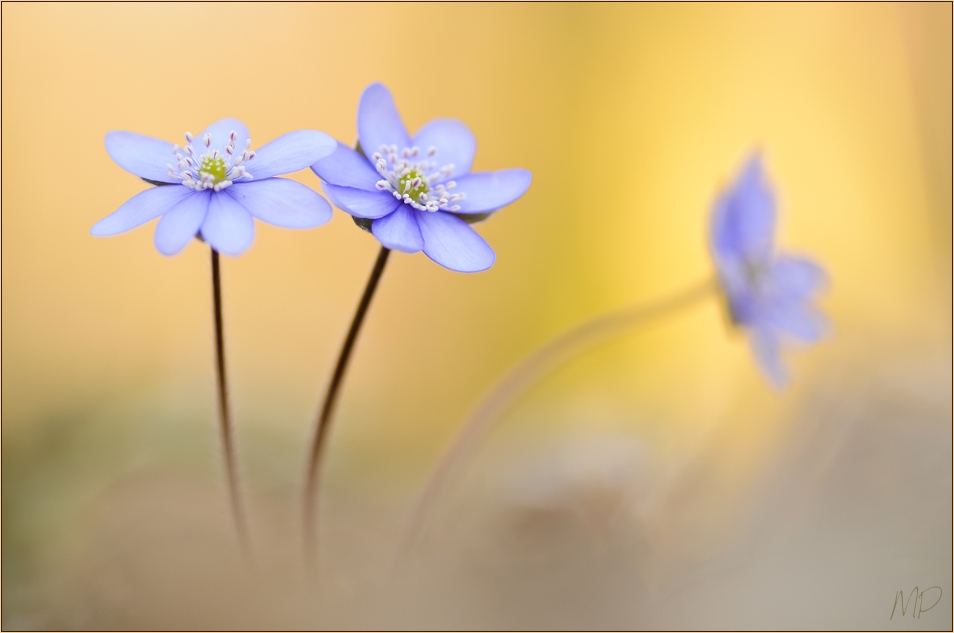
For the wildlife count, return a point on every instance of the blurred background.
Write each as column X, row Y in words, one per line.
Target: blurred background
column 654, row 482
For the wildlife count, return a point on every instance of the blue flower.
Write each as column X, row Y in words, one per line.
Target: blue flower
column 417, row 192
column 769, row 294
column 217, row 185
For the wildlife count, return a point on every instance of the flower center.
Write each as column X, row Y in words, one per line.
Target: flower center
column 212, row 169
column 414, row 180
column 756, row 272
column 414, row 184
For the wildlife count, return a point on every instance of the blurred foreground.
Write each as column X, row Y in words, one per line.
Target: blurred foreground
column 610, row 520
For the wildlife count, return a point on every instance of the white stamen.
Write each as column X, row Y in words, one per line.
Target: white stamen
column 414, row 179
column 214, row 169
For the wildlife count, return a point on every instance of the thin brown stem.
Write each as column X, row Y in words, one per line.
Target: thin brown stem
column 323, row 424
column 225, row 419
column 527, row 373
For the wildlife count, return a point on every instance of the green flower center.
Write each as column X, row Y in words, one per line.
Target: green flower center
column 413, row 183
column 214, row 167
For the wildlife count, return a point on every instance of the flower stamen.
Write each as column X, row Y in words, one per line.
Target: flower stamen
column 213, row 169
column 412, row 181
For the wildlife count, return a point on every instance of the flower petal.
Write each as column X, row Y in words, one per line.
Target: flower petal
column 802, row 322
column 451, row 242
column 228, row 226
column 282, row 202
column 399, row 230
column 180, row 224
column 220, row 131
column 289, row 153
column 766, row 348
column 454, row 142
column 378, row 120
column 144, row 156
column 361, row 203
column 797, row 277
column 489, row 191
column 141, row 208
column 347, row 168
column 743, row 221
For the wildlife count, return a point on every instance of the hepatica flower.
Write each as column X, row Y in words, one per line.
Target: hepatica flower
column 417, row 193
column 769, row 294
column 211, row 188
column 217, row 184
column 413, row 194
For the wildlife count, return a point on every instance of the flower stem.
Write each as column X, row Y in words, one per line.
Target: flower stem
column 323, row 423
column 527, row 373
column 225, row 421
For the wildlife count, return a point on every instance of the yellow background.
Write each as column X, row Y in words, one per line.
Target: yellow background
column 631, row 118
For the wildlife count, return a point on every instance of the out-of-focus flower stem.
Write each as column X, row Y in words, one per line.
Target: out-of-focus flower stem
column 528, row 372
column 323, row 424
column 225, row 420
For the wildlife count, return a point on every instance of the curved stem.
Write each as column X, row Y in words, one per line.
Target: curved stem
column 323, row 424
column 528, row 372
column 225, row 420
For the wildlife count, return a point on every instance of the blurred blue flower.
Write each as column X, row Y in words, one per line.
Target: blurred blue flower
column 218, row 185
column 769, row 294
column 415, row 191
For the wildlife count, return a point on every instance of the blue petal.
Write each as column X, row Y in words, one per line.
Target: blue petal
column 451, row 242
column 743, row 221
column 489, row 191
column 361, row 203
column 399, row 230
column 144, row 156
column 141, row 208
column 228, row 226
column 378, row 120
column 797, row 277
column 454, row 141
column 179, row 225
column 347, row 168
column 766, row 347
column 282, row 202
column 802, row 322
column 220, row 131
column 290, row 153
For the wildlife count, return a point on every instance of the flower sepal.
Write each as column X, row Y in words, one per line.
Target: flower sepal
column 362, row 223
column 159, row 183
column 474, row 218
